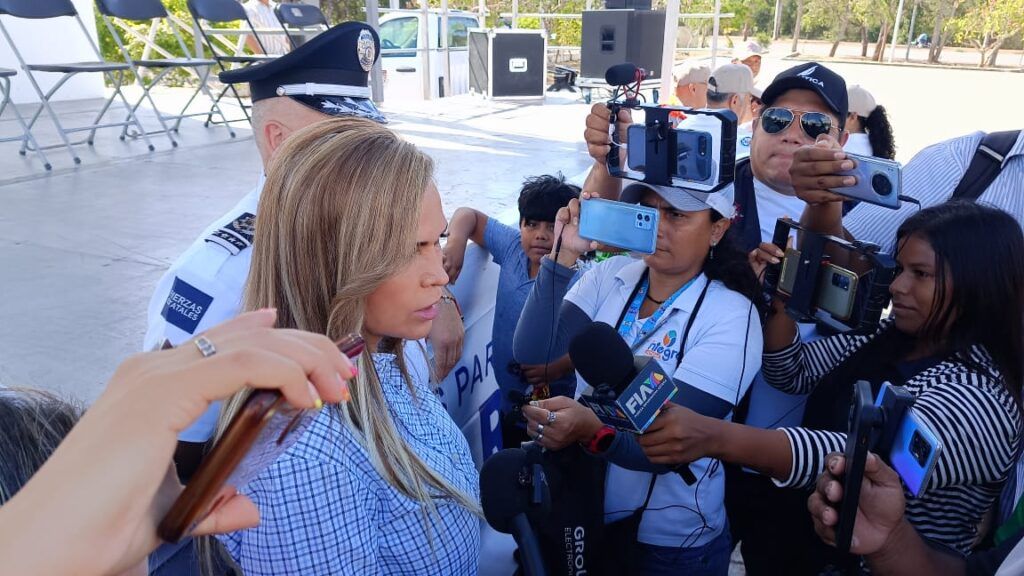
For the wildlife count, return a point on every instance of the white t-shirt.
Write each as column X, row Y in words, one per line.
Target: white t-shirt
column 772, row 205
column 713, row 361
column 263, row 18
column 858, row 143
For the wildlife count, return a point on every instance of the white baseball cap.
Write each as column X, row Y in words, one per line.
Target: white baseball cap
column 862, row 103
column 748, row 49
column 683, row 199
column 732, row 79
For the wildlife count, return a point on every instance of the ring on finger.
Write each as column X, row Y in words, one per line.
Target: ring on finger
column 206, row 348
column 551, row 418
column 540, row 429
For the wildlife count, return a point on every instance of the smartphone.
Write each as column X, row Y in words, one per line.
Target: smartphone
column 264, row 428
column 692, row 154
column 865, row 417
column 879, row 181
column 628, row 226
column 837, row 289
column 790, row 263
column 915, row 451
column 691, row 150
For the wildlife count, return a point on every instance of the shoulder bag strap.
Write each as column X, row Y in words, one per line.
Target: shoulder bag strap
column 689, row 322
column 985, row 165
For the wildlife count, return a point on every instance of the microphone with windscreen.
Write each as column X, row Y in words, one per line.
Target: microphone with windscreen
column 515, row 496
column 624, row 74
column 627, row 391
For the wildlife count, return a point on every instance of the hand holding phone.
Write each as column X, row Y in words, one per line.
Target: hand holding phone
column 263, row 429
column 879, row 181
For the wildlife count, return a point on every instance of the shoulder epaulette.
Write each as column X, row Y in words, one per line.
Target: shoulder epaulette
column 236, row 235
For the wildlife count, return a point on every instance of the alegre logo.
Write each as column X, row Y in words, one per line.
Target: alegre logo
column 669, row 338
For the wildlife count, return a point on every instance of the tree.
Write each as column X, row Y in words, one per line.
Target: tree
column 796, row 26
column 987, row 24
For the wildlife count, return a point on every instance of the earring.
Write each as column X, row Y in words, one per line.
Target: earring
column 712, row 255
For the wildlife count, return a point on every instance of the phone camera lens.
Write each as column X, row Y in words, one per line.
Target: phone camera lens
column 639, row 216
column 647, row 218
column 881, row 184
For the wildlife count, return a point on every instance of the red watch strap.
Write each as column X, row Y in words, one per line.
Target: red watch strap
column 601, row 441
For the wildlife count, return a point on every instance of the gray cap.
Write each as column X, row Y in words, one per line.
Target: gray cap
column 683, row 199
column 732, row 79
column 691, row 72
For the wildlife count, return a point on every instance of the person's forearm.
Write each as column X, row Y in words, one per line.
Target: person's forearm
column 536, row 340
column 779, row 330
column 625, row 452
column 600, row 183
column 767, row 451
column 464, row 226
column 253, row 44
column 905, row 554
column 824, row 218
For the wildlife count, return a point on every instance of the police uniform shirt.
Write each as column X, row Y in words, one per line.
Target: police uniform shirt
column 722, row 354
column 204, row 288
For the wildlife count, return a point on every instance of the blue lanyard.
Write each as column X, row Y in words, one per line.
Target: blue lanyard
column 633, row 312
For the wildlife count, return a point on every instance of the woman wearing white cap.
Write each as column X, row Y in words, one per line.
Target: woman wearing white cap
column 690, row 306
column 868, row 125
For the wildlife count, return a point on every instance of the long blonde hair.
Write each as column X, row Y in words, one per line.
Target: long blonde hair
column 338, row 216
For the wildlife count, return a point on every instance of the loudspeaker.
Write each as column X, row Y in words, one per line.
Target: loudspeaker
column 612, row 37
column 507, row 63
column 627, row 4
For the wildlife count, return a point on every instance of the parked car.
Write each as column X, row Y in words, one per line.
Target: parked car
column 403, row 64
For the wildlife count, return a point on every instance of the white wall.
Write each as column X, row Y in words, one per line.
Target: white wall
column 52, row 41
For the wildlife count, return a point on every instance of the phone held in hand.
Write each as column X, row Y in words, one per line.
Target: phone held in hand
column 263, row 429
column 879, row 181
column 628, row 226
column 915, row 447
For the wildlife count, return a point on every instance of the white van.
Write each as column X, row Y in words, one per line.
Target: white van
column 402, row 64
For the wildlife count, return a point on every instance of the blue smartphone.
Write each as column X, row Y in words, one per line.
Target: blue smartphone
column 879, row 181
column 915, row 448
column 627, row 226
column 915, row 452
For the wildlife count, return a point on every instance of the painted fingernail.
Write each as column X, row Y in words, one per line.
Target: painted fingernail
column 846, row 165
column 318, row 403
column 346, row 395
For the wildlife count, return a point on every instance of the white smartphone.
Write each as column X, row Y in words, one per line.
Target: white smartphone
column 879, row 181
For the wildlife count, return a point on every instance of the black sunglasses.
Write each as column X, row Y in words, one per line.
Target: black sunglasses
column 774, row 120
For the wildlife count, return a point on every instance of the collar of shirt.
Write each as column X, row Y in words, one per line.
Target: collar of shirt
column 630, row 274
column 1017, row 149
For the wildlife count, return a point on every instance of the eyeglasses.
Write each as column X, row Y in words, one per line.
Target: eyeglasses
column 774, row 120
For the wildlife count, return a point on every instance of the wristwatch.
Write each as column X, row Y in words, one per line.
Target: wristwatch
column 601, row 441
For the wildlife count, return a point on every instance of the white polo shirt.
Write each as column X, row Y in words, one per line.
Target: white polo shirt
column 721, row 356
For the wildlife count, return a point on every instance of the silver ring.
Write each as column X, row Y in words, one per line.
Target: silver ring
column 540, row 428
column 206, row 348
column 539, row 437
column 551, row 418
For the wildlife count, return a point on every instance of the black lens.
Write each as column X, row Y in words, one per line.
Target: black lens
column 815, row 124
column 881, row 184
column 775, row 120
column 920, row 449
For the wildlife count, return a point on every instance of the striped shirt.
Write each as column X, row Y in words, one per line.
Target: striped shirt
column 325, row 510
column 930, row 177
column 970, row 410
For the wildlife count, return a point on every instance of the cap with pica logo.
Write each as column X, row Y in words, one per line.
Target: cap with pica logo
column 814, row 77
column 329, row 73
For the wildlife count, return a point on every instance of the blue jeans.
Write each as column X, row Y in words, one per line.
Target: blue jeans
column 711, row 559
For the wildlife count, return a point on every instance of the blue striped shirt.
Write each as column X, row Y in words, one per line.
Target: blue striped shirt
column 324, row 508
column 930, row 177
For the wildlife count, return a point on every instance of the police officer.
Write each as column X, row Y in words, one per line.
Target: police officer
column 326, row 76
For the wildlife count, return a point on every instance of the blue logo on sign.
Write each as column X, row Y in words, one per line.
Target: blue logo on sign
column 186, row 306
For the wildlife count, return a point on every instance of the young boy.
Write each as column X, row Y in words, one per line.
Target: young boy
column 518, row 253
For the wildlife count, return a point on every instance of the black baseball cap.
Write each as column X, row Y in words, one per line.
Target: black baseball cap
column 814, row 77
column 330, row 73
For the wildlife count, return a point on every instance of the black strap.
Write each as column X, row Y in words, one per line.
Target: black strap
column 650, row 490
column 986, row 164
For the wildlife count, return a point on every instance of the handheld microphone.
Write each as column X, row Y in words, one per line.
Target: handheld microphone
column 509, row 494
column 624, row 74
column 628, row 391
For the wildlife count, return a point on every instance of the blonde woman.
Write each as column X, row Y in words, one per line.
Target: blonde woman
column 349, row 241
